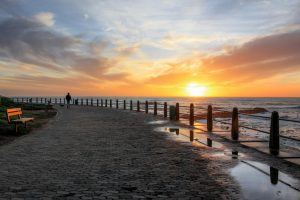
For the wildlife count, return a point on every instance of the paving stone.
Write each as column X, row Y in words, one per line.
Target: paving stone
column 88, row 152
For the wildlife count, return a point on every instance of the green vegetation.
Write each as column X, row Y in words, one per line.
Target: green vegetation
column 41, row 113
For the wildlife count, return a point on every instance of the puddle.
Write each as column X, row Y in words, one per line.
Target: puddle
column 234, row 154
column 226, row 154
column 209, row 142
column 260, row 181
column 175, row 130
column 158, row 122
column 192, row 135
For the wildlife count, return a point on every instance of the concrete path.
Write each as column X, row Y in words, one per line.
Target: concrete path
column 101, row 153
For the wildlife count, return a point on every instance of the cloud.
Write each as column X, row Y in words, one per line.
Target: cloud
column 261, row 58
column 258, row 59
column 30, row 42
column 47, row 85
column 46, row 18
column 124, row 50
column 86, row 16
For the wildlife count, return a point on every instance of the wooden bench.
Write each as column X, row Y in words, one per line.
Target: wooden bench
column 13, row 112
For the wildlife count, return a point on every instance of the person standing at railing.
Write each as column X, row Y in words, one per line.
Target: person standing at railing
column 68, row 98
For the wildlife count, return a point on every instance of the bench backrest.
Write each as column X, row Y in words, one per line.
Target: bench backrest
column 11, row 112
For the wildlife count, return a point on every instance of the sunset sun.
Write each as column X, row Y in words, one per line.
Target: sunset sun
column 195, row 90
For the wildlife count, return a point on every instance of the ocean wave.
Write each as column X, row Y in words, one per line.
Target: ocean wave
column 289, row 107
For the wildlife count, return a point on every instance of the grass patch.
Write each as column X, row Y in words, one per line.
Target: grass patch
column 40, row 112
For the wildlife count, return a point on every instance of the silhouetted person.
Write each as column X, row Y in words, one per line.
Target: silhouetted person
column 68, row 98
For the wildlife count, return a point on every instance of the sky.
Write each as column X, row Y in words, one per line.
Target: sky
column 226, row 48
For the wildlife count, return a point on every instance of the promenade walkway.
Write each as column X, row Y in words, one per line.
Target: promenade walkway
column 100, row 153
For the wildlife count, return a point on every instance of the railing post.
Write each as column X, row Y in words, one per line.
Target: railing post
column 55, row 101
column 155, row 108
column 81, row 102
column 36, row 100
column 117, row 104
column 192, row 114
column 64, row 101
column 165, row 109
column 138, row 106
column 177, row 112
column 110, row 103
column 45, row 100
column 191, row 135
column 60, row 100
column 172, row 112
column 235, row 124
column 209, row 119
column 97, row 102
column 105, row 102
column 92, row 103
column 131, row 107
column 87, row 102
column 124, row 104
column 101, row 102
column 274, row 134
column 146, row 107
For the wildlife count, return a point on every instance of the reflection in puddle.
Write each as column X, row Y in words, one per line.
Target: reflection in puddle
column 193, row 136
column 179, row 131
column 225, row 155
column 158, row 122
column 209, row 142
column 259, row 183
column 234, row 154
column 174, row 130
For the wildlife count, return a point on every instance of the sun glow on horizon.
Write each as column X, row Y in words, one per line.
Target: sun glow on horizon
column 195, row 90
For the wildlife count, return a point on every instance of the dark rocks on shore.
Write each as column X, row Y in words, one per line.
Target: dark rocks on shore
column 218, row 113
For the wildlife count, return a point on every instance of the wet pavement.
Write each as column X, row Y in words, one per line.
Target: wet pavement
column 102, row 153
column 256, row 183
column 256, row 179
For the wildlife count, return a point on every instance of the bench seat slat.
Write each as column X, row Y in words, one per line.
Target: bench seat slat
column 23, row 120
